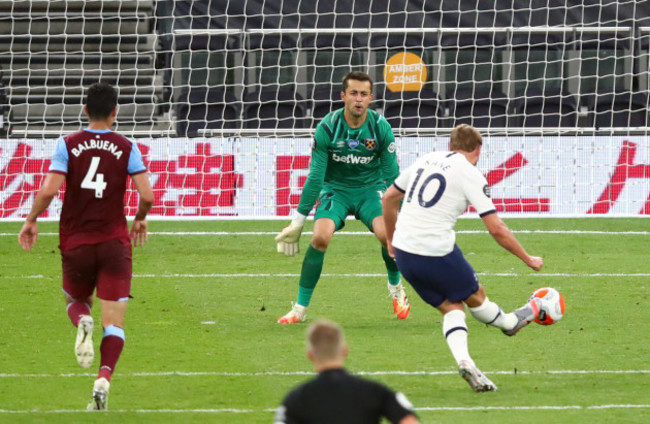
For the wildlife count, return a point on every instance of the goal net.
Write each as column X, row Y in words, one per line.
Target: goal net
column 223, row 97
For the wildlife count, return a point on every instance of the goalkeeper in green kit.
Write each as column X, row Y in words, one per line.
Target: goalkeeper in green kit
column 353, row 161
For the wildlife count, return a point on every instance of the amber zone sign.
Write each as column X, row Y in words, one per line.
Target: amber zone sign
column 405, row 72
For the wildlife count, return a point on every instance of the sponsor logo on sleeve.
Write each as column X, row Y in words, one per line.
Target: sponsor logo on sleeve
column 391, row 147
column 486, row 190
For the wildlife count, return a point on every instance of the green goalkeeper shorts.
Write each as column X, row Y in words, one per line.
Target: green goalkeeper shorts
column 336, row 204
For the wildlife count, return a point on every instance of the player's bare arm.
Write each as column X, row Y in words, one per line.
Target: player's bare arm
column 139, row 227
column 502, row 234
column 409, row 419
column 390, row 208
column 29, row 233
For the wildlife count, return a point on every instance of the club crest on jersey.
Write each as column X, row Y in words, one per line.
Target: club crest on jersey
column 353, row 144
column 370, row 143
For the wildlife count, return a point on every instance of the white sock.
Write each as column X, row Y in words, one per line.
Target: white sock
column 490, row 313
column 454, row 329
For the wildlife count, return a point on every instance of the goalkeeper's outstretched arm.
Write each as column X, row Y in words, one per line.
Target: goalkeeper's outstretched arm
column 287, row 239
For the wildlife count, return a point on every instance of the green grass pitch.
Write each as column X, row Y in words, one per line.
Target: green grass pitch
column 202, row 343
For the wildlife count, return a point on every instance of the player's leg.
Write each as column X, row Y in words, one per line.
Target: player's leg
column 77, row 308
column 113, row 339
column 444, row 282
column 370, row 214
column 488, row 312
column 79, row 313
column 401, row 305
column 333, row 207
column 454, row 328
column 113, row 288
column 79, row 277
column 312, row 266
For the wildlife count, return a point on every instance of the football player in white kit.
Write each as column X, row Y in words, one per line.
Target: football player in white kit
column 435, row 190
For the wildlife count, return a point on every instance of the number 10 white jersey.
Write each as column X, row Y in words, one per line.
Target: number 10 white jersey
column 437, row 189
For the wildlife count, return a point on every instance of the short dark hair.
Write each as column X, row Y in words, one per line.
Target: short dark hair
column 101, row 99
column 357, row 76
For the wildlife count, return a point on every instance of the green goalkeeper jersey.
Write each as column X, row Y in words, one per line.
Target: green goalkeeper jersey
column 349, row 158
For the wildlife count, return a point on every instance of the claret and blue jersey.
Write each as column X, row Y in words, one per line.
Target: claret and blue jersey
column 96, row 164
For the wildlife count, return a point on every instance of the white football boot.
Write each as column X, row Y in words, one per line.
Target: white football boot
column 83, row 346
column 475, row 378
column 525, row 315
column 99, row 402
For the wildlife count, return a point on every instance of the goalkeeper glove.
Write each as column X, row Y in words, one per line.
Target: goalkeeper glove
column 288, row 238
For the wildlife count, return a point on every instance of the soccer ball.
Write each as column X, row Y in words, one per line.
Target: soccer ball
column 551, row 308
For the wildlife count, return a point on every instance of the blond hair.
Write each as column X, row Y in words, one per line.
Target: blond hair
column 325, row 340
column 465, row 137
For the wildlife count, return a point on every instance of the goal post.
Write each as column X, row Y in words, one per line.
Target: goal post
column 223, row 97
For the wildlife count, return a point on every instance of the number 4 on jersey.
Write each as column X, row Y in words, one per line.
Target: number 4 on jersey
column 93, row 180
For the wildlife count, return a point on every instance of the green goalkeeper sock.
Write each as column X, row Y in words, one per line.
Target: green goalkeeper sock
column 391, row 267
column 312, row 266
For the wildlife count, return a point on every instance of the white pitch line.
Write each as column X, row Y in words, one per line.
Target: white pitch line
column 351, row 275
column 301, row 373
column 368, row 233
column 252, row 411
column 373, row 275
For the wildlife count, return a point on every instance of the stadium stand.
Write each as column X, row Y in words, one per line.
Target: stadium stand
column 480, row 107
column 550, row 107
column 414, row 109
column 4, row 108
column 51, row 51
column 271, row 109
column 324, row 101
column 623, row 109
column 505, row 73
column 206, row 108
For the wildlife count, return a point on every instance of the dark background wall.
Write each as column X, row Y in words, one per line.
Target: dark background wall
column 268, row 14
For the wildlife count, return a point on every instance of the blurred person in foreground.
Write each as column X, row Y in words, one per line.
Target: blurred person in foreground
column 336, row 396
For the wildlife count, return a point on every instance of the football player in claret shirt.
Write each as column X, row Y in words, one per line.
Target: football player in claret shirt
column 352, row 162
column 95, row 241
column 435, row 191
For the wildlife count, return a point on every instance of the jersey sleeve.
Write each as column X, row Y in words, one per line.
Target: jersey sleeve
column 402, row 180
column 136, row 164
column 389, row 166
column 395, row 405
column 477, row 192
column 59, row 161
column 317, row 169
column 284, row 412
